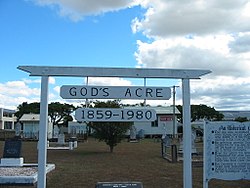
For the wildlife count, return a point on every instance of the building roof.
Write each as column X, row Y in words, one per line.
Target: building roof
column 166, row 110
column 30, row 117
column 7, row 110
column 160, row 109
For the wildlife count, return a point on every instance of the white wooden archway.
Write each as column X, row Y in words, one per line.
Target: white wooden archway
column 46, row 71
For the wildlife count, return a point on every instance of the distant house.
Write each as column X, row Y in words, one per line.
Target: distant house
column 7, row 119
column 77, row 128
column 163, row 125
column 30, row 126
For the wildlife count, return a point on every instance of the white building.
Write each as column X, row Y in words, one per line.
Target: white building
column 163, row 125
column 7, row 119
column 77, row 128
column 30, row 126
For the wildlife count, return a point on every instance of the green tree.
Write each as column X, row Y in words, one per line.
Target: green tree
column 111, row 133
column 60, row 113
column 26, row 108
column 241, row 119
column 57, row 112
column 202, row 112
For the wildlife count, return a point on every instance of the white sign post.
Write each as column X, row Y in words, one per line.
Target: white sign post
column 184, row 74
column 43, row 124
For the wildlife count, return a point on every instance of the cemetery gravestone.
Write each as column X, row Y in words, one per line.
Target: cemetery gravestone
column 56, row 131
column 61, row 139
column 141, row 134
column 194, row 150
column 133, row 134
column 166, row 141
column 18, row 129
column 12, row 149
column 12, row 153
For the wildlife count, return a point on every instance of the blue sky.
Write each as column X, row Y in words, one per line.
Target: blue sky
column 36, row 35
column 212, row 35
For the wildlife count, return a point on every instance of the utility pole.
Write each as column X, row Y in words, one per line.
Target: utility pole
column 174, row 93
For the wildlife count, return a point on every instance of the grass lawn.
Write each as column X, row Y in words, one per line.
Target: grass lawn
column 92, row 162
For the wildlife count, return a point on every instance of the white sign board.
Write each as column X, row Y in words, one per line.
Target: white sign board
column 115, row 92
column 227, row 150
column 115, row 114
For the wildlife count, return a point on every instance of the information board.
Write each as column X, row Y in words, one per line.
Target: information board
column 227, row 150
column 115, row 92
column 115, row 114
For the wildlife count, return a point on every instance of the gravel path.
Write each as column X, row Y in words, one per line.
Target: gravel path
column 18, row 171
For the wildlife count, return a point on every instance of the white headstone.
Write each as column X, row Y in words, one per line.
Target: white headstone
column 11, row 162
column 55, row 131
column 133, row 133
column 61, row 139
column 194, row 150
column 18, row 129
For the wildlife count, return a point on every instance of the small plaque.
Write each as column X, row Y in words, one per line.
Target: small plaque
column 119, row 185
column 12, row 149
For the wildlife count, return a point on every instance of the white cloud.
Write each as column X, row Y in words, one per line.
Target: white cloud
column 57, row 89
column 175, row 17
column 12, row 88
column 102, row 81
column 77, row 9
column 14, row 93
column 241, row 43
column 205, row 53
column 223, row 92
column 200, row 34
column 30, row 81
column 52, row 80
column 212, row 35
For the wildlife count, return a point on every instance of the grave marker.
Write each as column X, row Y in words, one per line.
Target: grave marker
column 18, row 129
column 12, row 149
column 61, row 139
column 12, row 153
column 132, row 135
column 194, row 150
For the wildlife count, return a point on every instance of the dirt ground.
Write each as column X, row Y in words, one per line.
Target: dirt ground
column 92, row 162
